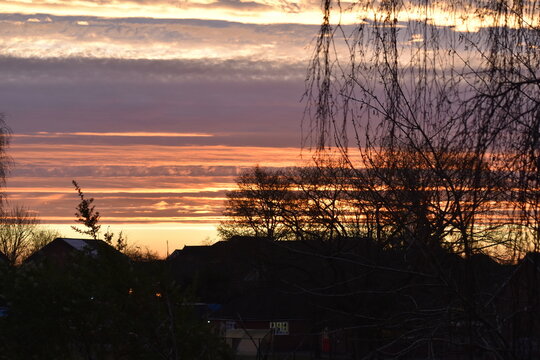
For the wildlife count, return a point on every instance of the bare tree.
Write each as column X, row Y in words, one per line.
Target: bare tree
column 441, row 102
column 17, row 228
column 256, row 207
column 438, row 80
column 41, row 236
column 308, row 202
column 323, row 209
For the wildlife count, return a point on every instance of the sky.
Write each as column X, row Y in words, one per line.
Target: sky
column 153, row 107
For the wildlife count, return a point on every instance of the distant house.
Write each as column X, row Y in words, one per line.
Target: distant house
column 220, row 271
column 60, row 250
column 257, row 283
column 264, row 321
column 328, row 298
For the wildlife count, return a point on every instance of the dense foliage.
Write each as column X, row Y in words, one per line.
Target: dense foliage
column 104, row 307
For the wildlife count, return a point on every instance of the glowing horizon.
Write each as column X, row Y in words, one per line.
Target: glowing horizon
column 177, row 192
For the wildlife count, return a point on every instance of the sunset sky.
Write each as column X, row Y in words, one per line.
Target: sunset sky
column 153, row 107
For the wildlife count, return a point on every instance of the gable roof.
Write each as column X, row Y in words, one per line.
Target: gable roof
column 79, row 244
column 60, row 248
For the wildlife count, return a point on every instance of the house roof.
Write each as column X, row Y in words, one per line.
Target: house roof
column 79, row 244
column 83, row 244
column 60, row 248
column 239, row 271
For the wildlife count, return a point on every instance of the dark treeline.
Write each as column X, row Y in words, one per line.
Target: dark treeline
column 100, row 305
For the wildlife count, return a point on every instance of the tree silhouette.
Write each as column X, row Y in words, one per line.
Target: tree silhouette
column 257, row 206
column 452, row 88
column 435, row 108
column 89, row 217
column 86, row 215
column 18, row 228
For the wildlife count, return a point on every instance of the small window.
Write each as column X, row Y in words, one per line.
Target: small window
column 280, row 327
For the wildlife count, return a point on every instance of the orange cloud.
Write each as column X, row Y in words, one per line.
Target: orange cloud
column 135, row 184
column 151, row 155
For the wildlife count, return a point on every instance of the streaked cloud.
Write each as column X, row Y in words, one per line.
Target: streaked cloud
column 68, row 155
column 31, row 36
column 458, row 15
column 47, row 134
column 248, row 11
column 90, row 71
column 134, row 184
